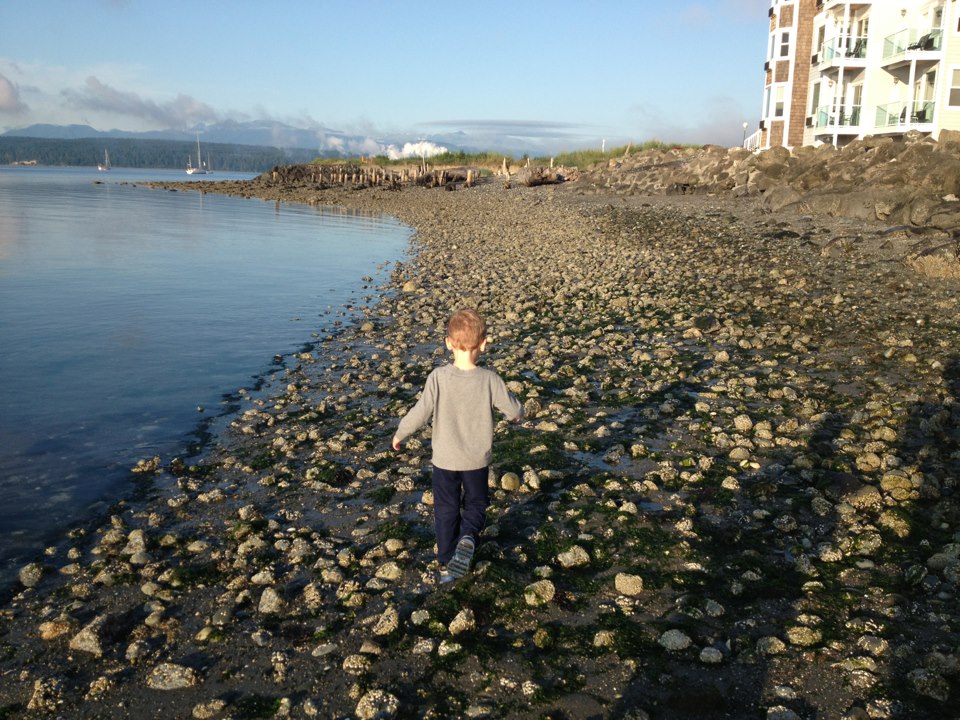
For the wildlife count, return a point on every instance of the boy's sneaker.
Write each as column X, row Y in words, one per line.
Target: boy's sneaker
column 459, row 564
column 446, row 576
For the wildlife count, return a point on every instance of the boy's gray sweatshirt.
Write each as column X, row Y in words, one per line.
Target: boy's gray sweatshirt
column 461, row 403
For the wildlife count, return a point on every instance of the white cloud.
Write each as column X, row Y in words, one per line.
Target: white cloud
column 423, row 148
column 107, row 97
column 349, row 146
column 532, row 137
column 181, row 112
column 368, row 146
column 10, row 101
column 722, row 123
column 46, row 91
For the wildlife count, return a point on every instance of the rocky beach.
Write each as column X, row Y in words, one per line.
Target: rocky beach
column 734, row 495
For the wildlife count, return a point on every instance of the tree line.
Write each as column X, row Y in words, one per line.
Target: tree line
column 137, row 153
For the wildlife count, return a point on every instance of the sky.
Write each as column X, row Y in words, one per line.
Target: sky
column 542, row 75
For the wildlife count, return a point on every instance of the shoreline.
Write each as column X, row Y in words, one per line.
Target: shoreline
column 87, row 470
column 736, row 440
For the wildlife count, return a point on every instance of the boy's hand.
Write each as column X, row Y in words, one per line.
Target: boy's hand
column 396, row 443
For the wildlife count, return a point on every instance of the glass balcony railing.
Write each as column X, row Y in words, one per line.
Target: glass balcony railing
column 895, row 114
column 890, row 114
column 831, row 4
column 848, row 47
column 844, row 117
column 912, row 40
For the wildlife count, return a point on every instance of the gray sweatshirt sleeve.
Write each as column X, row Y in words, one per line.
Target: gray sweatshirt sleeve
column 505, row 401
column 420, row 414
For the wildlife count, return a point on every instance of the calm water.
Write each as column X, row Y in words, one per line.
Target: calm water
column 123, row 309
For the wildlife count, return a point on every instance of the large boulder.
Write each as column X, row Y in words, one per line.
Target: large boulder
column 537, row 175
column 780, row 197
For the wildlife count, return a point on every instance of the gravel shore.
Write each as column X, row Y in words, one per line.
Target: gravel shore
column 734, row 496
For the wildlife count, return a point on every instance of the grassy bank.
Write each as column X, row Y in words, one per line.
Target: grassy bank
column 493, row 161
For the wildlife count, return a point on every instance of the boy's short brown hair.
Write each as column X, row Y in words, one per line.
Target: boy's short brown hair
column 466, row 330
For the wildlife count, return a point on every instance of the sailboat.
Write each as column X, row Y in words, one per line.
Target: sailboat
column 105, row 165
column 199, row 169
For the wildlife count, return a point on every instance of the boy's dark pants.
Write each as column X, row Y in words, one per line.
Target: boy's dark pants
column 460, row 499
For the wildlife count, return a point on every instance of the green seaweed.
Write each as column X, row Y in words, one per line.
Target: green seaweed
column 382, row 494
column 196, row 574
column 257, row 706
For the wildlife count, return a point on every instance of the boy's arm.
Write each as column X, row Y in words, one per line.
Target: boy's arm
column 506, row 402
column 418, row 416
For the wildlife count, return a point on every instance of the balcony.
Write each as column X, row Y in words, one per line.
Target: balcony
column 907, row 45
column 893, row 116
column 851, row 47
column 845, row 117
column 855, row 4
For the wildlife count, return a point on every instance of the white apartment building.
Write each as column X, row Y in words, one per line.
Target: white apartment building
column 838, row 70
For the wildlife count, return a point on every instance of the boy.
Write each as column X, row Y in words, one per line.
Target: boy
column 460, row 398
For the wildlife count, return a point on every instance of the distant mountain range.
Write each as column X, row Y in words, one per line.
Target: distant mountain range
column 140, row 153
column 249, row 146
column 265, row 134
column 286, row 139
column 322, row 141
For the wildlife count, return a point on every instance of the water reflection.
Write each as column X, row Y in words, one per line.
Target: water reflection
column 124, row 308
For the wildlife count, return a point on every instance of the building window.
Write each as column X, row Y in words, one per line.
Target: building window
column 954, row 100
column 785, row 44
column 779, row 93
